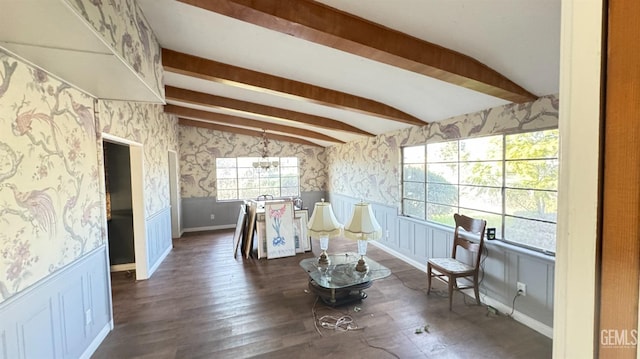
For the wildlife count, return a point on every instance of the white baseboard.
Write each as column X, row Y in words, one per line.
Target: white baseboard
column 501, row 307
column 97, row 341
column 159, row 261
column 413, row 262
column 517, row 316
column 123, row 267
column 208, row 228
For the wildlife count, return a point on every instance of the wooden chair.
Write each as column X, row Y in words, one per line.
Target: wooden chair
column 450, row 269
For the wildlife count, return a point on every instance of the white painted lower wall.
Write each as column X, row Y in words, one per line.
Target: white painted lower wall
column 158, row 238
column 66, row 315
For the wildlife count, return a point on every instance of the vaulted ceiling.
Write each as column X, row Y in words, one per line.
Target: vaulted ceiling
column 330, row 71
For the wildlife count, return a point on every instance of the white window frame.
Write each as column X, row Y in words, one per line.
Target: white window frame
column 500, row 235
column 258, row 175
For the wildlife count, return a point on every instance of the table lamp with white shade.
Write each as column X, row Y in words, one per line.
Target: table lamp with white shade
column 323, row 225
column 362, row 227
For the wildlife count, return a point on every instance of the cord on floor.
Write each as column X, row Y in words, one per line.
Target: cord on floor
column 342, row 323
column 364, row 340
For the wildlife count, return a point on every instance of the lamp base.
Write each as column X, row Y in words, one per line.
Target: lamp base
column 323, row 260
column 362, row 266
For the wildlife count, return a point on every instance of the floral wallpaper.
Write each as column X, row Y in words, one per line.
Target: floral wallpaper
column 50, row 208
column 370, row 168
column 148, row 125
column 200, row 147
column 124, row 28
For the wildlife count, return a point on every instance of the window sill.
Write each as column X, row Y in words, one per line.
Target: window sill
column 506, row 246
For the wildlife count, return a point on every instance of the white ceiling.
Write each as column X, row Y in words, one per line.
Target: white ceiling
column 517, row 38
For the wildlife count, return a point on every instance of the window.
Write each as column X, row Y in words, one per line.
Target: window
column 509, row 180
column 238, row 179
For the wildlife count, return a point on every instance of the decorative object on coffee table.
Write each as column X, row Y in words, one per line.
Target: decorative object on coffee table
column 340, row 283
column 363, row 227
column 324, row 225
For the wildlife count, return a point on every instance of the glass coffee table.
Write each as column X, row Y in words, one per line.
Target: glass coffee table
column 339, row 283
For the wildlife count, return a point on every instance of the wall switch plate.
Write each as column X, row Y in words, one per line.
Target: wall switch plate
column 522, row 289
column 213, row 216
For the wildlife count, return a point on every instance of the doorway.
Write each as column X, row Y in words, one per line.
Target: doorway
column 117, row 173
column 128, row 179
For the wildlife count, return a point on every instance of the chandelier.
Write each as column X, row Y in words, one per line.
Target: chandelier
column 264, row 163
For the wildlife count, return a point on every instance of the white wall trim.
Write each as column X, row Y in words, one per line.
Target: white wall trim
column 412, row 262
column 574, row 316
column 97, row 341
column 122, row 267
column 119, row 140
column 174, row 195
column 208, row 228
column 137, row 201
column 160, row 259
column 517, row 316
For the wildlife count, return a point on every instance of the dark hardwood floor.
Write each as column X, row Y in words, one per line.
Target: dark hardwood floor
column 203, row 303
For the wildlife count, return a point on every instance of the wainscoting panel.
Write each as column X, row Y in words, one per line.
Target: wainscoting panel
column 37, row 332
column 494, row 280
column 53, row 318
column 3, row 345
column 420, row 241
column 197, row 211
column 504, row 265
column 72, row 305
column 441, row 242
column 159, row 242
column 405, row 235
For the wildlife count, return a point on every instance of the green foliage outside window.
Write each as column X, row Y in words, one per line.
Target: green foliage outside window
column 509, row 180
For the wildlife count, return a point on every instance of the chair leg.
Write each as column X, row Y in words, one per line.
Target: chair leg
column 452, row 281
column 476, row 290
column 428, row 278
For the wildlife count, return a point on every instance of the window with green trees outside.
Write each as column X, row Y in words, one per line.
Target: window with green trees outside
column 237, row 178
column 509, row 180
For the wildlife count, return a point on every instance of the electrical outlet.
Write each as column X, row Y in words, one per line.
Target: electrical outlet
column 522, row 289
column 386, row 234
column 87, row 317
column 213, row 216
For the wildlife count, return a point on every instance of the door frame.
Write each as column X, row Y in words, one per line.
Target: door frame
column 575, row 282
column 136, row 154
column 174, row 195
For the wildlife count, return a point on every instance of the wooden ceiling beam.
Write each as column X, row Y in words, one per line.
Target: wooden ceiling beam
column 243, row 131
column 240, row 121
column 321, row 24
column 208, row 100
column 210, row 70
